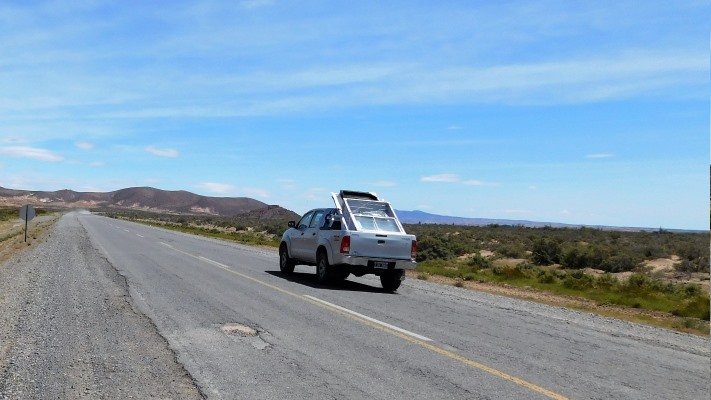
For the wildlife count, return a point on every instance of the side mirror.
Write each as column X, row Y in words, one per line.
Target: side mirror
column 292, row 224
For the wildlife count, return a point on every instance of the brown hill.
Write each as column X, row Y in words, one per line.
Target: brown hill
column 142, row 198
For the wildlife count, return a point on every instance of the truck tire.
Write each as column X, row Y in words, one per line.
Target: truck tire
column 324, row 271
column 391, row 280
column 286, row 263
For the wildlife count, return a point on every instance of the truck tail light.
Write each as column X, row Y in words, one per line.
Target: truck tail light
column 413, row 250
column 346, row 245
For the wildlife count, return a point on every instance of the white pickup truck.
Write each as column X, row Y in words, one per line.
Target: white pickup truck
column 360, row 235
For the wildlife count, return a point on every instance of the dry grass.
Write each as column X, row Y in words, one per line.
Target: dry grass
column 12, row 236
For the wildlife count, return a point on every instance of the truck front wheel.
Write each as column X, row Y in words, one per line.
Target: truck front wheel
column 286, row 263
column 391, row 280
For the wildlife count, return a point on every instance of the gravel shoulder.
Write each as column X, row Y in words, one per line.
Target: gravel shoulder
column 68, row 328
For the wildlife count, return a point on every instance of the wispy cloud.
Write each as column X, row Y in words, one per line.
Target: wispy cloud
column 480, row 183
column 30, row 152
column 454, row 178
column 84, row 145
column 599, row 155
column 315, row 194
column 219, row 188
column 384, row 184
column 162, row 152
column 441, row 178
column 224, row 189
column 253, row 192
column 517, row 211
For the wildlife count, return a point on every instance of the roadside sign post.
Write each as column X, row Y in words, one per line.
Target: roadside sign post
column 27, row 212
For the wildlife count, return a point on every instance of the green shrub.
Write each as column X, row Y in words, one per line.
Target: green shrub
column 511, row 250
column 619, row 263
column 546, row 277
column 578, row 280
column 545, row 251
column 480, row 262
column 585, row 256
column 697, row 307
column 606, row 281
column 638, row 282
column 469, row 276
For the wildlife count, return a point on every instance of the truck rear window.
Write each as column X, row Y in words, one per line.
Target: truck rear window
column 373, row 215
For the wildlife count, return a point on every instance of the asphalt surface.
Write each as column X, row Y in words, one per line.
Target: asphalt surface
column 240, row 329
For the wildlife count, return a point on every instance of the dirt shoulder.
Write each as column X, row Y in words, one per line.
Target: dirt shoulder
column 68, row 328
column 12, row 235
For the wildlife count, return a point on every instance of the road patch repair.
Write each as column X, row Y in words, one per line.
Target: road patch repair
column 238, row 329
column 252, row 335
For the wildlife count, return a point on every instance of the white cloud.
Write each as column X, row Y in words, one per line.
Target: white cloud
column 97, row 163
column 480, row 183
column 84, row 145
column 253, row 192
column 454, row 178
column 517, row 211
column 315, row 194
column 162, row 152
column 30, row 152
column 599, row 155
column 232, row 190
column 285, row 180
column 384, row 184
column 219, row 188
column 441, row 178
column 532, row 187
column 454, row 128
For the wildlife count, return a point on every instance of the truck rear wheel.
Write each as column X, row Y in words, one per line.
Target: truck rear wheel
column 324, row 271
column 391, row 280
column 286, row 263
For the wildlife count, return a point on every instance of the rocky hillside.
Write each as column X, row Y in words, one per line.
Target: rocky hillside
column 141, row 198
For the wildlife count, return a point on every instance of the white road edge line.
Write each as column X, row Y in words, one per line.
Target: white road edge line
column 139, row 235
column 365, row 317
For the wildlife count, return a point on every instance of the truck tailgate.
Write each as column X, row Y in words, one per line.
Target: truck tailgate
column 381, row 245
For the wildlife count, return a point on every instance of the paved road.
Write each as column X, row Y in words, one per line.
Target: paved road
column 242, row 330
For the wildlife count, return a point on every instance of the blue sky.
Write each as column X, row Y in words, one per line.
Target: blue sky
column 580, row 112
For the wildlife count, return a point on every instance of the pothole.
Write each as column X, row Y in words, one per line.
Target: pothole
column 238, row 329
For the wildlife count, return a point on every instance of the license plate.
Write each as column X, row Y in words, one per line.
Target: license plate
column 380, row 264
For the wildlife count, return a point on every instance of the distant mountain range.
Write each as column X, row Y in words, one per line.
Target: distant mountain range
column 183, row 202
column 146, row 199
column 417, row 217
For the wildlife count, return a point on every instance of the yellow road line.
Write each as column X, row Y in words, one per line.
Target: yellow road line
column 422, row 343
